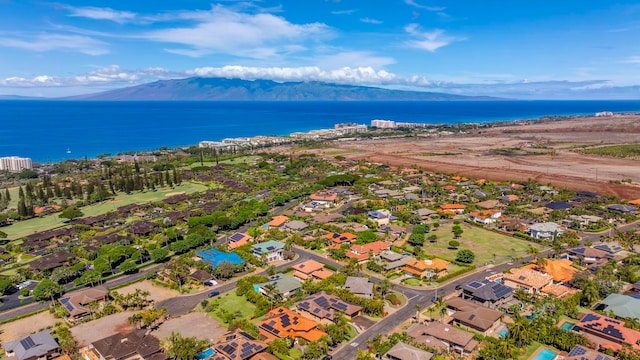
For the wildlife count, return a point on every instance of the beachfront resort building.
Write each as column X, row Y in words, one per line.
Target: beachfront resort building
column 15, row 163
column 383, row 124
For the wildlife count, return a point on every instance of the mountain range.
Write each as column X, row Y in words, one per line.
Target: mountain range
column 223, row 89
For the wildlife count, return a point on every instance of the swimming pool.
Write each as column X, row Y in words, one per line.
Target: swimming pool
column 545, row 354
column 503, row 333
column 205, row 354
column 566, row 326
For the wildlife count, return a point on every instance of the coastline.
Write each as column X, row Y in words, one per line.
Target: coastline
column 44, row 130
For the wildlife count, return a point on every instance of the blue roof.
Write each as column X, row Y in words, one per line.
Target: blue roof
column 217, row 257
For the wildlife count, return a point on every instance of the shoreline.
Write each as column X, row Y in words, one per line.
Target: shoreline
column 421, row 127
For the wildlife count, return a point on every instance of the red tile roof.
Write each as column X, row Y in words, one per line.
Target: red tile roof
column 282, row 322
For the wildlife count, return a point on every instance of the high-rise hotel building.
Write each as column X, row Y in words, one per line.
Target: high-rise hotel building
column 15, row 163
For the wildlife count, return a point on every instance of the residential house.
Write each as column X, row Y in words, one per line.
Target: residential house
column 507, row 199
column 474, row 316
column 402, row 351
column 238, row 345
column 282, row 284
column 38, row 346
column 143, row 228
column 392, row 260
column 323, row 307
column 452, row 208
column 607, row 332
column 270, row 250
column 545, row 231
column 622, row 306
column 361, row 252
column 580, row 352
column 485, row 216
column 276, row 222
column 530, row 280
column 282, row 322
column 134, row 345
column 359, row 286
column 558, row 290
column 337, row 240
column 311, row 269
column 622, row 208
column 77, row 302
column 488, row 204
column 558, row 205
column 612, row 248
column 325, row 197
column 491, row 294
column 430, row 268
column 381, row 217
column 238, row 239
column 588, row 255
column 425, row 214
column 439, row 335
column 51, row 261
column 295, row 225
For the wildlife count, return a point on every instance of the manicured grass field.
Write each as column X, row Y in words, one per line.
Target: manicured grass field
column 237, row 160
column 27, row 227
column 233, row 303
column 486, row 245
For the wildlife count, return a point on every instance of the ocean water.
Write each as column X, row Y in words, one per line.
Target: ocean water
column 46, row 130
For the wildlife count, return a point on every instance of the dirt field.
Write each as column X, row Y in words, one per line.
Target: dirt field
column 157, row 293
column 193, row 324
column 19, row 328
column 97, row 329
column 545, row 152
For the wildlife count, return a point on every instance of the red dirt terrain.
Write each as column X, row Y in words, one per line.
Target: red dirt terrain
column 548, row 152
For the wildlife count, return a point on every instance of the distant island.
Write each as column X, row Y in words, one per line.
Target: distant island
column 223, row 89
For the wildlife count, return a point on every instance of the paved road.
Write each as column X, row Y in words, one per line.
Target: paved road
column 10, row 314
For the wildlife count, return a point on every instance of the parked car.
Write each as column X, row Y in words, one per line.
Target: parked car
column 214, row 293
column 458, row 287
column 211, row 283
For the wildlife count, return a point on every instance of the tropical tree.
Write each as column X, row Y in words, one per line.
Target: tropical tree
column 71, row 212
column 177, row 347
column 465, row 256
column 384, row 286
column 47, row 290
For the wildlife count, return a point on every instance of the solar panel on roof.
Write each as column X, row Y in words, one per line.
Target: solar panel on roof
column 475, row 284
column 577, row 351
column 27, row 343
column 236, row 237
column 473, row 316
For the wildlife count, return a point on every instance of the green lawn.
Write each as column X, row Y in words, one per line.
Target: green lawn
column 233, row 303
column 486, row 245
column 27, row 227
column 236, row 160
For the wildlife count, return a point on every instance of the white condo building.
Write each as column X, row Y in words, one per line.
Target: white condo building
column 385, row 124
column 15, row 163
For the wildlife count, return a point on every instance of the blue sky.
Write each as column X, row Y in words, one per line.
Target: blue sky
column 523, row 48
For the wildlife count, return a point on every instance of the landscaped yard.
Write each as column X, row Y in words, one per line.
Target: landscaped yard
column 27, row 227
column 486, row 245
column 236, row 160
column 232, row 303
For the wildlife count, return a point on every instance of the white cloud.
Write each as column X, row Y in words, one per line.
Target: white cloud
column 344, row 75
column 428, row 40
column 110, row 75
column 222, row 30
column 98, row 13
column 52, row 42
column 367, row 20
column 428, row 8
column 344, row 12
column 632, row 60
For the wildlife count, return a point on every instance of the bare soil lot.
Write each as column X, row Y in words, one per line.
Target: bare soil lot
column 196, row 324
column 157, row 293
column 22, row 327
column 98, row 329
column 547, row 152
